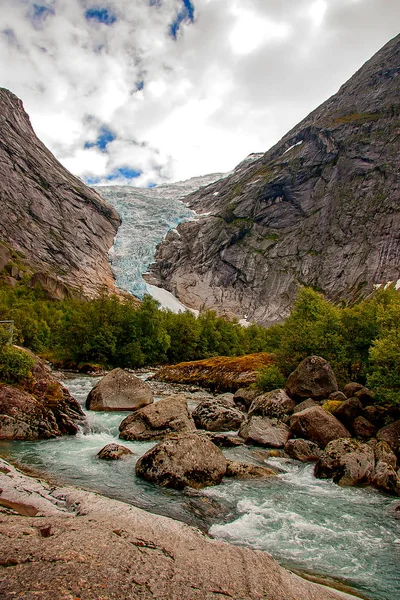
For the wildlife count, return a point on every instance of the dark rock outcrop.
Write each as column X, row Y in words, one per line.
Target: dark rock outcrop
column 319, row 208
column 313, row 377
column 213, row 415
column 63, row 228
column 317, row 425
column 183, row 460
column 44, row 409
column 119, row 390
column 114, row 452
column 155, row 421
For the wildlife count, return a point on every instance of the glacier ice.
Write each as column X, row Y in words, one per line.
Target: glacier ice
column 147, row 215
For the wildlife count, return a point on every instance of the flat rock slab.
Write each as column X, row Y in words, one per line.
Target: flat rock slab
column 114, row 550
column 119, row 390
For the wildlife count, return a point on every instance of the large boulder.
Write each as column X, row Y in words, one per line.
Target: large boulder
column 264, row 432
column 156, row 421
column 44, row 409
column 386, row 478
column 317, row 425
column 303, row 450
column 347, row 462
column 309, row 403
column 183, row 460
column 313, row 378
column 119, row 390
column 276, row 404
column 391, row 435
column 362, row 428
column 213, row 415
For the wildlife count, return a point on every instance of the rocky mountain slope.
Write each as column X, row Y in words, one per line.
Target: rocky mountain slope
column 62, row 228
column 320, row 208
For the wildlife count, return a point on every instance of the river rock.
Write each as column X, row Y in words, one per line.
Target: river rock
column 45, row 409
column 348, row 411
column 386, row 478
column 244, row 397
column 222, row 440
column 275, row 404
column 309, row 403
column 119, row 390
column 114, row 452
column 351, row 388
column 383, row 453
column 312, row 378
column 265, row 432
column 225, row 399
column 337, row 396
column 183, row 460
column 391, row 435
column 213, row 416
column 155, row 421
column 365, row 396
column 303, row 450
column 363, row 429
column 375, row 414
column 241, row 470
column 347, row 462
column 317, row 425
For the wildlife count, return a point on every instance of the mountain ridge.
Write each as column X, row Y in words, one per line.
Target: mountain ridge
column 59, row 227
column 320, row 208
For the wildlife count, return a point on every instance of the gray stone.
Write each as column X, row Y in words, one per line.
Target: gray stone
column 183, row 460
column 264, row 432
column 156, row 421
column 213, row 416
column 347, row 462
column 119, row 390
column 275, row 404
column 303, row 450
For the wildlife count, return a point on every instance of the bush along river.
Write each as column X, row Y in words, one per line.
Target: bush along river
column 313, row 526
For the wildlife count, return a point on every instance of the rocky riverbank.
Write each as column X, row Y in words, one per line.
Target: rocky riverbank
column 67, row 543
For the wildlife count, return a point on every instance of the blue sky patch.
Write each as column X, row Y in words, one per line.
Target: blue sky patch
column 40, row 12
column 139, row 85
column 102, row 15
column 151, row 185
column 185, row 14
column 105, row 137
column 125, row 172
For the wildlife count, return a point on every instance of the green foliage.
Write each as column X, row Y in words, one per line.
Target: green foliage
column 270, row 378
column 15, row 364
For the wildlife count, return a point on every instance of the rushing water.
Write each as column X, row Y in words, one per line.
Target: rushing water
column 307, row 524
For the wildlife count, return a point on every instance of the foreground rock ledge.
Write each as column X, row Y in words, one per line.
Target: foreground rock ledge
column 115, row 551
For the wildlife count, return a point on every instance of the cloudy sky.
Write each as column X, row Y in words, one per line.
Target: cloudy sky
column 145, row 91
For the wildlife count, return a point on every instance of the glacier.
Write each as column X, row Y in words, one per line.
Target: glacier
column 147, row 215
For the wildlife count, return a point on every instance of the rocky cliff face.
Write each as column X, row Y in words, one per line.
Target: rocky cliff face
column 63, row 228
column 320, row 208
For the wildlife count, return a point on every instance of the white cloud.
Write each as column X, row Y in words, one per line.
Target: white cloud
column 232, row 82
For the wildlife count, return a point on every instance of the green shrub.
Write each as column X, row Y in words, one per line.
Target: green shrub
column 270, row 378
column 15, row 365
